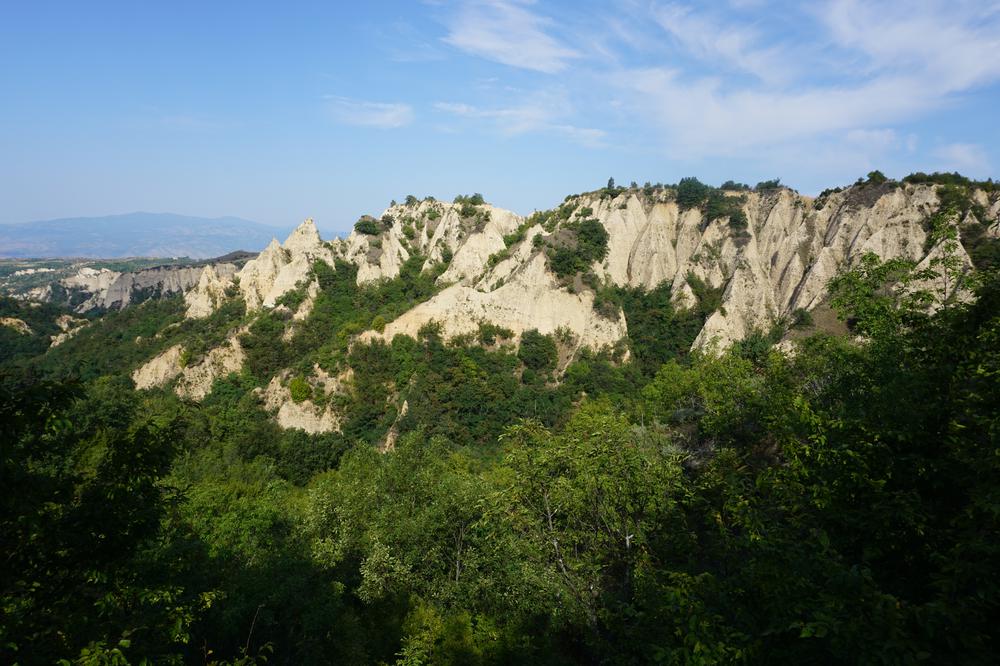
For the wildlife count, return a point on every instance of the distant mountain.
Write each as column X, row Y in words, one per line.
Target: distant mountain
column 135, row 235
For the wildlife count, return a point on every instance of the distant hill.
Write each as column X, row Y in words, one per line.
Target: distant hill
column 135, row 235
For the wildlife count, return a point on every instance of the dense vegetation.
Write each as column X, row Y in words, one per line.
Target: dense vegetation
column 839, row 505
column 40, row 322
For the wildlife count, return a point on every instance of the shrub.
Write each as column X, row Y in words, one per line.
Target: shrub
column 738, row 220
column 568, row 257
column 538, row 352
column 802, row 318
column 768, row 185
column 367, row 225
column 411, row 200
column 592, row 240
column 489, row 333
column 691, row 193
column 470, row 199
column 876, row 178
column 516, row 237
column 299, row 389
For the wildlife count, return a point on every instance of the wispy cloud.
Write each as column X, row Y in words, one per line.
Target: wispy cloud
column 737, row 45
column 362, row 113
column 837, row 74
column 966, row 157
column 703, row 116
column 892, row 63
column 402, row 42
column 506, row 31
column 951, row 45
column 544, row 112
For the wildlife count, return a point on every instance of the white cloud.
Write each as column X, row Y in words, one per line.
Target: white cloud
column 887, row 63
column 951, row 45
column 701, row 117
column 369, row 114
column 878, row 140
column 541, row 112
column 712, row 40
column 838, row 72
column 965, row 157
column 507, row 32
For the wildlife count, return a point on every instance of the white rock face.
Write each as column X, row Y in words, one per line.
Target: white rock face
column 430, row 228
column 69, row 326
column 18, row 325
column 529, row 298
column 303, row 415
column 266, row 278
column 195, row 381
column 107, row 289
column 782, row 261
column 208, row 294
column 790, row 252
column 159, row 370
column 277, row 270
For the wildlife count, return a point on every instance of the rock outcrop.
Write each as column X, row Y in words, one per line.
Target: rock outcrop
column 104, row 289
column 68, row 327
column 193, row 381
column 763, row 254
column 278, row 269
column 304, row 415
column 19, row 325
column 159, row 370
column 779, row 260
column 465, row 235
column 89, row 288
column 209, row 293
column 526, row 297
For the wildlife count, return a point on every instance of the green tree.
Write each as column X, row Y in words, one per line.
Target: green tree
column 538, row 352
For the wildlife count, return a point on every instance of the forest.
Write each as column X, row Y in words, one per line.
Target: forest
column 837, row 504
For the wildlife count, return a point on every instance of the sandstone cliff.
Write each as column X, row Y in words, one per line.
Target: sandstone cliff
column 92, row 288
column 266, row 278
column 768, row 253
column 780, row 260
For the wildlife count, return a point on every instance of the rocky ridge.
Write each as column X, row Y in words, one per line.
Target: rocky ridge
column 772, row 253
column 90, row 289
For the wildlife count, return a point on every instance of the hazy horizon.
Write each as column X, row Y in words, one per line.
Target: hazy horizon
column 332, row 111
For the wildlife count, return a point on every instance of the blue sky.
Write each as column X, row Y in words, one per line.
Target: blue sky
column 278, row 111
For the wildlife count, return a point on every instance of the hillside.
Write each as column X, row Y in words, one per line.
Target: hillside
column 133, row 235
column 670, row 423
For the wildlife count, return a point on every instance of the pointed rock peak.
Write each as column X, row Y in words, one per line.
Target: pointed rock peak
column 305, row 237
column 208, row 274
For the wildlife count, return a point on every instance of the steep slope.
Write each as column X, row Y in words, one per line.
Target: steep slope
column 770, row 253
column 745, row 258
column 102, row 288
column 778, row 261
column 462, row 235
column 265, row 278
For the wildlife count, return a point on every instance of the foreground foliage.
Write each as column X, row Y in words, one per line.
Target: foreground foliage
column 839, row 505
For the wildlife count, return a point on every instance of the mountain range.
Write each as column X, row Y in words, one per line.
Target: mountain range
column 136, row 234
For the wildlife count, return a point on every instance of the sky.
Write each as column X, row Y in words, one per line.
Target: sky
column 280, row 111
